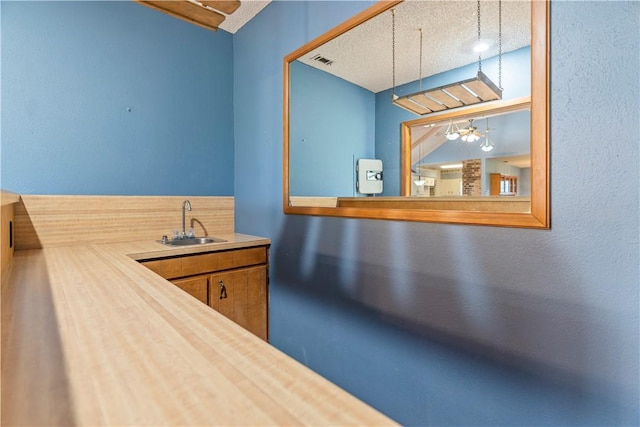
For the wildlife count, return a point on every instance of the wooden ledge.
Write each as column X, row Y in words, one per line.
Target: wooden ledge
column 517, row 204
column 8, row 197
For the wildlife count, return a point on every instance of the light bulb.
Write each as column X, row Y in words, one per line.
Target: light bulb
column 486, row 147
column 465, row 137
column 482, row 45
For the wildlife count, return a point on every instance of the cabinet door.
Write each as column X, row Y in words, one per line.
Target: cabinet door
column 494, row 184
column 241, row 295
column 194, row 286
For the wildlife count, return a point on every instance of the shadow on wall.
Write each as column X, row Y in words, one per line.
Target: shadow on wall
column 512, row 355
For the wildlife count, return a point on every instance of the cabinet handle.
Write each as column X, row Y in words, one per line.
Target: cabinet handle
column 223, row 290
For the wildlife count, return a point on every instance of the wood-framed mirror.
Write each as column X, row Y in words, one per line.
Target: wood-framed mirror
column 334, row 122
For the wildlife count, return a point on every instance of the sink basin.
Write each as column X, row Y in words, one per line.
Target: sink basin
column 190, row 241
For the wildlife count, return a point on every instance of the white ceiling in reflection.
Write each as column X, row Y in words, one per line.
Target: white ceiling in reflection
column 363, row 55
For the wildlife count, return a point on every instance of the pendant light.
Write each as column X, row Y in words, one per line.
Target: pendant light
column 470, row 134
column 467, row 92
column 487, row 145
column 452, row 133
column 419, row 182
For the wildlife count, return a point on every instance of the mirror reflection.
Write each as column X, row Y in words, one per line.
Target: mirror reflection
column 469, row 156
column 340, row 92
column 357, row 99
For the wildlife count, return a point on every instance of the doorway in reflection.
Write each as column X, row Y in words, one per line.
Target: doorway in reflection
column 479, row 154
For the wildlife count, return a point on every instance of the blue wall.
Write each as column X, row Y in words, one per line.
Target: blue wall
column 432, row 324
column 71, row 71
column 439, row 324
column 258, row 119
column 332, row 126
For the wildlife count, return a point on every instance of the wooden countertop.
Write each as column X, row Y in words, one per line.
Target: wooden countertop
column 91, row 337
column 8, row 198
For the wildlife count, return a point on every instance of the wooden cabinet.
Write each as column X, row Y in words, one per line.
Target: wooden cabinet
column 494, row 184
column 241, row 296
column 195, row 286
column 503, row 185
column 233, row 282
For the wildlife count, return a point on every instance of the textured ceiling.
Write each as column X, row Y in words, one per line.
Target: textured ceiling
column 247, row 10
column 363, row 55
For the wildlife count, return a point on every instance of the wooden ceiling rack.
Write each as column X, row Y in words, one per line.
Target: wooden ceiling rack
column 204, row 13
column 454, row 95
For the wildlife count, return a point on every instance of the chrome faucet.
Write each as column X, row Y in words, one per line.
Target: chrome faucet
column 185, row 205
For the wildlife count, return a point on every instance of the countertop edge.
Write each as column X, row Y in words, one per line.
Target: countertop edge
column 118, row 326
column 145, row 250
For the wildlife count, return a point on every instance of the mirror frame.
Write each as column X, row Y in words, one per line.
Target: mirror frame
column 539, row 215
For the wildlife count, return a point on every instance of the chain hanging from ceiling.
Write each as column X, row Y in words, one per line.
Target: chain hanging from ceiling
column 454, row 95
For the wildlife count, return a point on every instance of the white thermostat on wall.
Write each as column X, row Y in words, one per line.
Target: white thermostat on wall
column 369, row 172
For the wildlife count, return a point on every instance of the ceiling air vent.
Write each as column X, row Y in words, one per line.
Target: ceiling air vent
column 323, row 60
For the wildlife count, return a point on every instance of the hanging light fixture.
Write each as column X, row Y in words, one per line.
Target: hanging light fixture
column 419, row 182
column 487, row 145
column 467, row 92
column 470, row 134
column 453, row 132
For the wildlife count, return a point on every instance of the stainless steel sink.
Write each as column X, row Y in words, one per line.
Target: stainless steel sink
column 190, row 241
